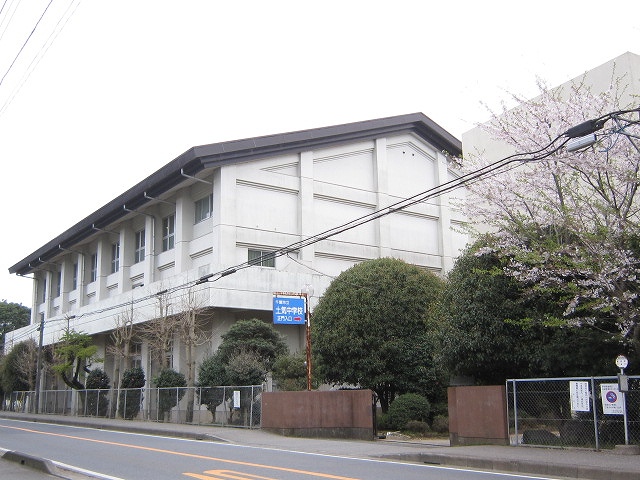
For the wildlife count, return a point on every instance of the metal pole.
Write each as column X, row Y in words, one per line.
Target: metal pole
column 506, row 398
column 39, row 365
column 515, row 412
column 251, row 409
column 595, row 413
column 308, row 335
column 626, row 422
column 224, row 406
column 624, row 406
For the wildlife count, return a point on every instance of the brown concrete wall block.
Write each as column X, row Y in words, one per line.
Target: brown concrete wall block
column 478, row 414
column 336, row 413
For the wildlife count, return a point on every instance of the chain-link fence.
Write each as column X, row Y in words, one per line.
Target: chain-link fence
column 581, row 412
column 239, row 406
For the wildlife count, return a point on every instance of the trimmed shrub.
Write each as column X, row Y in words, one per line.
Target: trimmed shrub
column 407, row 407
column 97, row 379
column 382, row 421
column 416, row 426
column 97, row 401
column 169, row 382
column 130, row 400
column 290, row 372
column 440, row 424
column 212, row 375
column 245, row 368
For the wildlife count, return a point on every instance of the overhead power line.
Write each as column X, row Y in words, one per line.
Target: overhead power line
column 499, row 166
column 468, row 178
column 60, row 25
column 25, row 42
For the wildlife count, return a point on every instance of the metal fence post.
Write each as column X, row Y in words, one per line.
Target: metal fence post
column 224, row 407
column 625, row 418
column 506, row 394
column 595, row 413
column 515, row 413
column 251, row 410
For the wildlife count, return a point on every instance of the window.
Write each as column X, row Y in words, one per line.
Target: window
column 94, row 267
column 74, row 279
column 136, row 354
column 169, row 354
column 262, row 258
column 115, row 257
column 139, row 253
column 204, row 208
column 58, row 283
column 168, row 232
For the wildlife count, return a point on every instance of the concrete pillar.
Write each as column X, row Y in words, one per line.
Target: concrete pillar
column 444, row 215
column 306, row 206
column 185, row 216
column 381, row 185
column 224, row 219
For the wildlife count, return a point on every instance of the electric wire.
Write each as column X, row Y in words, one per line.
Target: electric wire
column 400, row 205
column 60, row 25
column 4, row 4
column 495, row 168
column 8, row 17
column 25, row 42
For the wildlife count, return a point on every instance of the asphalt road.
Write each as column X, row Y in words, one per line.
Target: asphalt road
column 133, row 456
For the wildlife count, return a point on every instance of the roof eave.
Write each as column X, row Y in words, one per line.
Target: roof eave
column 218, row 154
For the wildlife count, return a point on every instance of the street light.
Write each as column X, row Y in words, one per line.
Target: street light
column 307, row 292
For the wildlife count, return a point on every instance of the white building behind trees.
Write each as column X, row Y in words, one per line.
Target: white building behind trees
column 623, row 70
column 217, row 222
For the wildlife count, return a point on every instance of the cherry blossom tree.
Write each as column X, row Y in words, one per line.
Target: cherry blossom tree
column 568, row 224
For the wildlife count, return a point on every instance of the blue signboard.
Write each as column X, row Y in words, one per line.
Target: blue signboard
column 288, row 310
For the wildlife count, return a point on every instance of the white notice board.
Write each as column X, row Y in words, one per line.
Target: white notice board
column 580, row 398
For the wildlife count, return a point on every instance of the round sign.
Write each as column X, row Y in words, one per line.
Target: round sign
column 611, row 397
column 621, row 361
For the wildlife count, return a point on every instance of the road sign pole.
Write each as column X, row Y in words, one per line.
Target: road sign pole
column 626, row 423
column 621, row 363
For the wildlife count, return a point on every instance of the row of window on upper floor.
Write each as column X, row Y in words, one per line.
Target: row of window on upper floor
column 261, row 258
column 203, row 210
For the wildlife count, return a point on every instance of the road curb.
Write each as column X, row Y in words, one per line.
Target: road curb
column 119, row 427
column 31, row 461
column 519, row 466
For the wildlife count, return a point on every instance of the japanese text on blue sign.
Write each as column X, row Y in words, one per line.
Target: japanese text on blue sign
column 288, row 310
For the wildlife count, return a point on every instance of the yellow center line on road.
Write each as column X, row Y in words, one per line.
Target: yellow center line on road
column 182, row 454
column 226, row 475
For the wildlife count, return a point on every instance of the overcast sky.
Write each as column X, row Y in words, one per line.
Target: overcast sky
column 89, row 110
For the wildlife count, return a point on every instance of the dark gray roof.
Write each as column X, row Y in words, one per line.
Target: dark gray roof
column 216, row 154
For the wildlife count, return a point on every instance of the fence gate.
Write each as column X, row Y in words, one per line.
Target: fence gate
column 580, row 412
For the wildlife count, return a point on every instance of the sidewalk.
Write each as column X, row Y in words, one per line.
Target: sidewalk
column 553, row 462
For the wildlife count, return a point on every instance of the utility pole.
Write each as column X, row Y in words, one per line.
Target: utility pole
column 306, row 292
column 39, row 365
